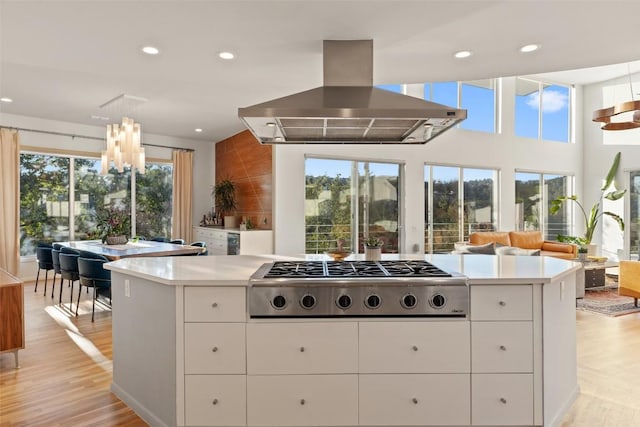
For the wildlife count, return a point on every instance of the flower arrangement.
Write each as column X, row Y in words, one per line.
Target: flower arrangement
column 373, row 242
column 113, row 221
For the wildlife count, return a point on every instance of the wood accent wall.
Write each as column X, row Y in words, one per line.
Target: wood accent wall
column 248, row 164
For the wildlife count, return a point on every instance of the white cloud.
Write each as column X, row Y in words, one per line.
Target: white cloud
column 552, row 101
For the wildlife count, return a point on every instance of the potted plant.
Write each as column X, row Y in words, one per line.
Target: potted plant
column 591, row 220
column 373, row 248
column 224, row 193
column 113, row 225
column 582, row 252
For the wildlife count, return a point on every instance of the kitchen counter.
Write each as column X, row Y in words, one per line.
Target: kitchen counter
column 235, row 271
column 186, row 353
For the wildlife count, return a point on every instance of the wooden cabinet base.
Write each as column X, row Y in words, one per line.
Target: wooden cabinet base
column 11, row 315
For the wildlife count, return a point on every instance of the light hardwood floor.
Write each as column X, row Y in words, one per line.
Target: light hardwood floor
column 66, row 370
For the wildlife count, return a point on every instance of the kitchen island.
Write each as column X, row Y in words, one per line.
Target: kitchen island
column 185, row 351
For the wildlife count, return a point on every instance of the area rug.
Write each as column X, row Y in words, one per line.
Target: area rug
column 606, row 301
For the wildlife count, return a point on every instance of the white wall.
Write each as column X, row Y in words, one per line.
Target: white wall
column 203, row 167
column 502, row 151
column 601, row 146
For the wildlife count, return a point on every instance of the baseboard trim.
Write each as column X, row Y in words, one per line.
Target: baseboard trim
column 138, row 408
column 559, row 416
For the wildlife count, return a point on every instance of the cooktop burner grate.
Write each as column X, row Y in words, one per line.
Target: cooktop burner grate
column 410, row 268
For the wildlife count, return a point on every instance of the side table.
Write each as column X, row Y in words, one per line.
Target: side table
column 592, row 275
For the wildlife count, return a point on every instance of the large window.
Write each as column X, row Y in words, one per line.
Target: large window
column 350, row 201
column 53, row 210
column 633, row 223
column 534, row 193
column 478, row 97
column 459, row 201
column 543, row 111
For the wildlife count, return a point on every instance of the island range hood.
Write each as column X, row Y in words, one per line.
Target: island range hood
column 348, row 109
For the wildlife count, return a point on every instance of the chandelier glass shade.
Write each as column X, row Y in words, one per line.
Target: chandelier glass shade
column 124, row 147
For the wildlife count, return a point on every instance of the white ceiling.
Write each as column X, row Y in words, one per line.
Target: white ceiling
column 62, row 59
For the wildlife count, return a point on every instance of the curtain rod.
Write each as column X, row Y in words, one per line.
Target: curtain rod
column 48, row 132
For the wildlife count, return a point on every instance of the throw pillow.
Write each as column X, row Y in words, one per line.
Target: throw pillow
column 512, row 250
column 486, row 249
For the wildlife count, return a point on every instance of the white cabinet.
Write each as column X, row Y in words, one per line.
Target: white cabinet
column 204, row 304
column 502, row 347
column 506, row 302
column 302, row 400
column 302, row 348
column 215, row 348
column 214, row 356
column 503, row 351
column 414, row 347
column 215, row 400
column 502, row 399
column 251, row 242
column 415, row 399
column 362, row 372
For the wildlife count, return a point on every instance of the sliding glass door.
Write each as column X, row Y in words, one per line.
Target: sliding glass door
column 347, row 201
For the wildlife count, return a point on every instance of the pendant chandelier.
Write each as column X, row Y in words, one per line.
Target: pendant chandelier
column 124, row 147
column 606, row 114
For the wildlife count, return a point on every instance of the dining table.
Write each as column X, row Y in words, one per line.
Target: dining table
column 141, row 248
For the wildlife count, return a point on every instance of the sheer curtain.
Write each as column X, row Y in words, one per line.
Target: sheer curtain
column 9, row 200
column 182, row 195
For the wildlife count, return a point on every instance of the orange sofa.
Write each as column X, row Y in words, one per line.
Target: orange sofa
column 525, row 240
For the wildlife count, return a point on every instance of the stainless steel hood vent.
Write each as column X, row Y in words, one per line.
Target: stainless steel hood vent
column 348, row 109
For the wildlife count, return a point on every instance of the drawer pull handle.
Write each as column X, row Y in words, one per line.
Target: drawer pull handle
column 503, row 400
column 503, row 348
column 414, row 400
column 414, row 348
column 214, row 349
column 302, row 401
column 301, row 349
column 215, row 401
column 502, row 303
column 214, row 304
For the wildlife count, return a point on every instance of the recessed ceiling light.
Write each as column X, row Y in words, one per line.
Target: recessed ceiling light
column 462, row 54
column 271, row 124
column 529, row 48
column 103, row 118
column 151, row 50
column 226, row 55
column 198, row 130
column 5, row 99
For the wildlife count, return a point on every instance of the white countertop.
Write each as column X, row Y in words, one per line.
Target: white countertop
column 235, row 270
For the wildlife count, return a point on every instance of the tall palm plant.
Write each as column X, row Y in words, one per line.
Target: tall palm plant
column 591, row 220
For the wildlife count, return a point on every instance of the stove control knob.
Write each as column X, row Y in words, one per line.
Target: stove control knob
column 279, row 302
column 409, row 301
column 344, row 301
column 372, row 301
column 308, row 301
column 437, row 301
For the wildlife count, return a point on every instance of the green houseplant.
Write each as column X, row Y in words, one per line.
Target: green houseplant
column 224, row 193
column 591, row 220
column 113, row 225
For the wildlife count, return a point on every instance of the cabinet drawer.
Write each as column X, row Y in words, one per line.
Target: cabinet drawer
column 302, row 348
column 510, row 302
column 425, row 399
column 501, row 347
column 414, row 347
column 215, row 400
column 214, row 348
column 502, row 399
column 302, row 400
column 209, row 304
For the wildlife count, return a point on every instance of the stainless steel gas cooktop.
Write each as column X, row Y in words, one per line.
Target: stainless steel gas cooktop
column 357, row 288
